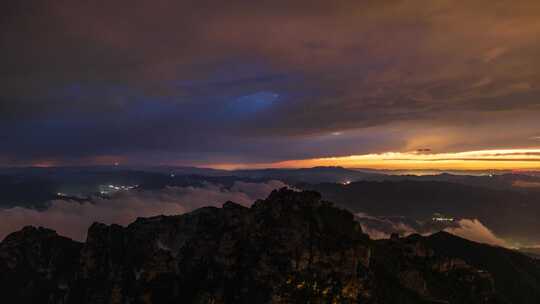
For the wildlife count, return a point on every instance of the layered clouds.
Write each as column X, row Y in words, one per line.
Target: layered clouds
column 474, row 230
column 426, row 159
column 210, row 82
column 471, row 229
column 72, row 219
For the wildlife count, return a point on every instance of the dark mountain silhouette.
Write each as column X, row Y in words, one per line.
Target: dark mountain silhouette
column 513, row 212
column 509, row 213
column 514, row 275
column 309, row 175
column 292, row 247
column 83, row 182
column 534, row 251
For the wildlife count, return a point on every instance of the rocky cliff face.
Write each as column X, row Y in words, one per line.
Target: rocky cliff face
column 37, row 266
column 290, row 248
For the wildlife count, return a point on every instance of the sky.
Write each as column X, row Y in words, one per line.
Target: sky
column 230, row 84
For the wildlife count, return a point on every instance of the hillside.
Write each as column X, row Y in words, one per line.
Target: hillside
column 292, row 247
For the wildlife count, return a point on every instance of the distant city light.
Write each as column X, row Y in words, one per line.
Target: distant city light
column 437, row 217
column 109, row 189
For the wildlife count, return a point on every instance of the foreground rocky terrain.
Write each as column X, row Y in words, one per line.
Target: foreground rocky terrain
column 289, row 248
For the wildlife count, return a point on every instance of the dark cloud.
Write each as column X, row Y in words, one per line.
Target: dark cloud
column 248, row 81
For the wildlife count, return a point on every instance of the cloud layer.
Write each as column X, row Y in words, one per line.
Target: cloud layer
column 471, row 229
column 212, row 82
column 474, row 230
column 72, row 219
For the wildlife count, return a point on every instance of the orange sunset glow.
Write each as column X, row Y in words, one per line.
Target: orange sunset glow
column 497, row 159
column 270, row 152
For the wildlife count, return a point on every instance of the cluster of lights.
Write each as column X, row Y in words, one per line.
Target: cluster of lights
column 107, row 189
column 440, row 218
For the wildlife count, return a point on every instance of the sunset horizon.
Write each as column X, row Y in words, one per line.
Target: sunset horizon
column 270, row 152
column 424, row 159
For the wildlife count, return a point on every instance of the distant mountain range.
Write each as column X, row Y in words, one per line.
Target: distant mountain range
column 292, row 247
column 533, row 252
column 507, row 203
column 82, row 181
column 509, row 213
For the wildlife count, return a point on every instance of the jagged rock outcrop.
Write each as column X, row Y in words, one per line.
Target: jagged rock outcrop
column 292, row 247
column 287, row 247
column 37, row 266
column 435, row 277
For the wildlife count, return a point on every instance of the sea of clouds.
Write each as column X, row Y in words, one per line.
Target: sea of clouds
column 471, row 229
column 72, row 219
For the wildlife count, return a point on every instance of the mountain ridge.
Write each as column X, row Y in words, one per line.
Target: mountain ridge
column 292, row 247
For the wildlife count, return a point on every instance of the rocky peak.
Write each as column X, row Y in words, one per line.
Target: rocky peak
column 37, row 264
column 292, row 247
column 35, row 246
column 285, row 199
column 228, row 205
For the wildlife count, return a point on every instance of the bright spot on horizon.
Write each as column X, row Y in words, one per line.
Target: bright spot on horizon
column 502, row 159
